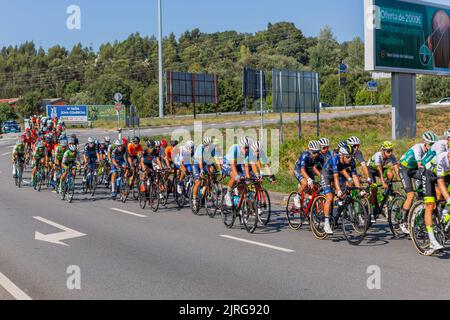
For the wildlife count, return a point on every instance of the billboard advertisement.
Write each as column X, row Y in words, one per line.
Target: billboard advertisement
column 69, row 114
column 407, row 36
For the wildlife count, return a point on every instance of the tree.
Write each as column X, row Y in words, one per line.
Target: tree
column 325, row 56
column 7, row 113
column 29, row 104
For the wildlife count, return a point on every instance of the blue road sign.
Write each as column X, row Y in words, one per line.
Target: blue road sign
column 69, row 114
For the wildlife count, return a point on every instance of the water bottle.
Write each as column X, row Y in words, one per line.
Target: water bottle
column 235, row 200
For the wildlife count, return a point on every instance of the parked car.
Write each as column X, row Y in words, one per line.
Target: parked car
column 10, row 126
column 324, row 105
column 443, row 102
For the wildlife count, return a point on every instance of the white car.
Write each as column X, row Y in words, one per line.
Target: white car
column 443, row 102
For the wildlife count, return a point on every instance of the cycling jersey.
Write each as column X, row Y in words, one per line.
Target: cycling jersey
column 440, row 147
column 148, row 158
column 118, row 156
column 335, row 166
column 305, row 161
column 414, row 156
column 134, row 151
column 442, row 165
column 184, row 156
column 261, row 158
column 69, row 158
column 39, row 153
column 59, row 153
column 358, row 156
column 206, row 155
column 169, row 150
column 49, row 147
column 377, row 161
column 19, row 150
column 91, row 152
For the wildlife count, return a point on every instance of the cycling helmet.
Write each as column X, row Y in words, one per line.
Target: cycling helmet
column 74, row 136
column 163, row 143
column 91, row 140
column 40, row 145
column 174, row 143
column 207, row 141
column 324, row 142
column 107, row 139
column 430, row 137
column 387, row 145
column 244, row 142
column 73, row 148
column 314, row 146
column 158, row 144
column 447, row 134
column 117, row 143
column 189, row 144
column 256, row 146
column 136, row 140
column 63, row 143
column 151, row 144
column 49, row 138
column 346, row 151
column 353, row 141
column 342, row 144
column 124, row 142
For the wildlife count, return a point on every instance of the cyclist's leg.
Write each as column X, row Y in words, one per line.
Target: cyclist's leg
column 405, row 176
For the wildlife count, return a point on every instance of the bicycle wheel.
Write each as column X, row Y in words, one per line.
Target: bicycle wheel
column 180, row 198
column 294, row 215
column 143, row 198
column 20, row 176
column 317, row 218
column 355, row 222
column 228, row 214
column 154, row 198
column 94, row 183
column 163, row 194
column 395, row 215
column 124, row 190
column 195, row 209
column 249, row 214
column 70, row 190
column 212, row 200
column 63, row 191
column 264, row 207
column 40, row 182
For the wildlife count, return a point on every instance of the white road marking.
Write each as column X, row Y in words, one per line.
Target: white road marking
column 56, row 238
column 12, row 288
column 128, row 212
column 5, row 154
column 259, row 244
column 26, row 182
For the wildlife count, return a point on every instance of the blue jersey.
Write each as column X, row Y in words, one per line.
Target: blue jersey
column 90, row 152
column 118, row 156
column 305, row 161
column 235, row 156
column 334, row 166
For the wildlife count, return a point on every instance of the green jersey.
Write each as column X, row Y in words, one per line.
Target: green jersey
column 39, row 153
column 19, row 150
column 59, row 153
column 412, row 158
column 70, row 158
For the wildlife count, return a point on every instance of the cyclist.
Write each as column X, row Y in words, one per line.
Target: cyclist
column 58, row 155
column 204, row 160
column 259, row 160
column 378, row 168
column 306, row 169
column 435, row 179
column 39, row 158
column 325, row 152
column 183, row 162
column 134, row 151
column 335, row 170
column 69, row 162
column 75, row 140
column 170, row 149
column 442, row 145
column 118, row 161
column 146, row 162
column 358, row 157
column 236, row 165
column 410, row 164
column 18, row 153
column 91, row 155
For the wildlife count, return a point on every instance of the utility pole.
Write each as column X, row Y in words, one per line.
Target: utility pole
column 160, row 56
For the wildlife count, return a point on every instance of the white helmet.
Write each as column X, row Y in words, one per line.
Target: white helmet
column 158, row 144
column 189, row 144
column 256, row 146
column 324, row 142
column 447, row 134
column 207, row 141
column 107, row 139
column 91, row 140
column 314, row 146
column 117, row 143
column 73, row 148
column 430, row 137
column 244, row 142
column 353, row 141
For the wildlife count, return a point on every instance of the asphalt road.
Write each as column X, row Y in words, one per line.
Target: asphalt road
column 173, row 254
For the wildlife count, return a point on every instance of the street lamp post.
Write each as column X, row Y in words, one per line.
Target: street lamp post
column 160, row 56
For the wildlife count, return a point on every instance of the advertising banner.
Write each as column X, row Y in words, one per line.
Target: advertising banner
column 69, row 114
column 407, row 36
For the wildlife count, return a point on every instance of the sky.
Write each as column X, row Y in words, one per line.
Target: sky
column 45, row 21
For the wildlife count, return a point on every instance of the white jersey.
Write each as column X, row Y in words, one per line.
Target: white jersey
column 183, row 156
column 440, row 147
column 360, row 158
column 377, row 160
column 442, row 165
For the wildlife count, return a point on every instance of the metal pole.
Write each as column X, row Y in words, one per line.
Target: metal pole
column 299, row 107
column 262, row 112
column 160, row 56
column 281, row 108
column 318, row 104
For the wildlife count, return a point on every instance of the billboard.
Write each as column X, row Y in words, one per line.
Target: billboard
column 407, row 37
column 291, row 89
column 252, row 83
column 69, row 114
column 185, row 87
column 104, row 113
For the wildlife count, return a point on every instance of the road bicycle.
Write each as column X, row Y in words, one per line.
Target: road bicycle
column 68, row 186
column 40, row 177
column 90, row 180
column 297, row 216
column 349, row 213
column 209, row 195
column 18, row 175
